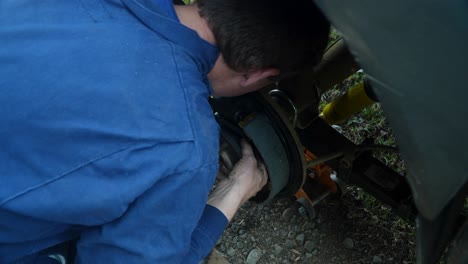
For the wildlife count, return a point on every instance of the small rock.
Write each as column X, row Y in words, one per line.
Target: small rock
column 292, row 258
column 303, row 212
column 315, row 252
column 308, row 255
column 241, row 231
column 300, row 239
column 291, row 234
column 309, row 245
column 287, row 214
column 240, row 245
column 293, row 219
column 235, row 228
column 284, row 233
column 277, row 248
column 254, row 256
column 377, row 260
column 231, row 252
column 348, row 243
column 289, row 243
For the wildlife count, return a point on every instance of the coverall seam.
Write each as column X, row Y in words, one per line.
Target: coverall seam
column 37, row 186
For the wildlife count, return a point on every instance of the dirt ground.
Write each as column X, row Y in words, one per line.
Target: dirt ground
column 344, row 231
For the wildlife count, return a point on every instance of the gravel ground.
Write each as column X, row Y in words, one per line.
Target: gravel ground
column 343, row 232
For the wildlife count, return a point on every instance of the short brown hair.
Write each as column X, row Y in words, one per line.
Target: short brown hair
column 258, row 34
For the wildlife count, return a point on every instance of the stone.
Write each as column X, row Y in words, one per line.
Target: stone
column 377, row 260
column 254, row 256
column 289, row 243
column 240, row 245
column 300, row 239
column 284, row 233
column 292, row 258
column 231, row 252
column 348, row 243
column 309, row 245
column 287, row 214
column 277, row 248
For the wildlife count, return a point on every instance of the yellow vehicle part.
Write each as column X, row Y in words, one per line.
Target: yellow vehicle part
column 346, row 105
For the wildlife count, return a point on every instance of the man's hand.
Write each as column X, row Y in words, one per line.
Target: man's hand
column 246, row 178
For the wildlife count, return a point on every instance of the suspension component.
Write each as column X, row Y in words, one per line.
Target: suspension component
column 318, row 185
column 357, row 98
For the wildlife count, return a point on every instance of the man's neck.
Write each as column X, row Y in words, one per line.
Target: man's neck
column 189, row 17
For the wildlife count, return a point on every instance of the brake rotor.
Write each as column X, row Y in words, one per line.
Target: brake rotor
column 256, row 118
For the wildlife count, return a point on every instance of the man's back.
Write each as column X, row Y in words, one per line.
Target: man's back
column 96, row 109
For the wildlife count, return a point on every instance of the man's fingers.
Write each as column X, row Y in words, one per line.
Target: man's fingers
column 246, row 148
column 262, row 168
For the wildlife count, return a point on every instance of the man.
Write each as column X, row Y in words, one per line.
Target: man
column 107, row 135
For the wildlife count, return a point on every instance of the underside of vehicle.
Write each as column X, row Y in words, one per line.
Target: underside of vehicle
column 413, row 54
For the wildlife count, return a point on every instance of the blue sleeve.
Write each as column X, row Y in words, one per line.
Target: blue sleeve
column 210, row 227
column 169, row 223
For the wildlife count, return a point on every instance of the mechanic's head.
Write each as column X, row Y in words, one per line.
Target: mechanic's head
column 262, row 40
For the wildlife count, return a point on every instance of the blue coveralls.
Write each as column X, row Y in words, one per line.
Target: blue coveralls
column 106, row 133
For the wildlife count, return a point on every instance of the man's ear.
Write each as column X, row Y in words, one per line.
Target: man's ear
column 257, row 76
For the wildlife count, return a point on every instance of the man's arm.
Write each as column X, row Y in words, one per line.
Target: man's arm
column 158, row 226
column 246, row 179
